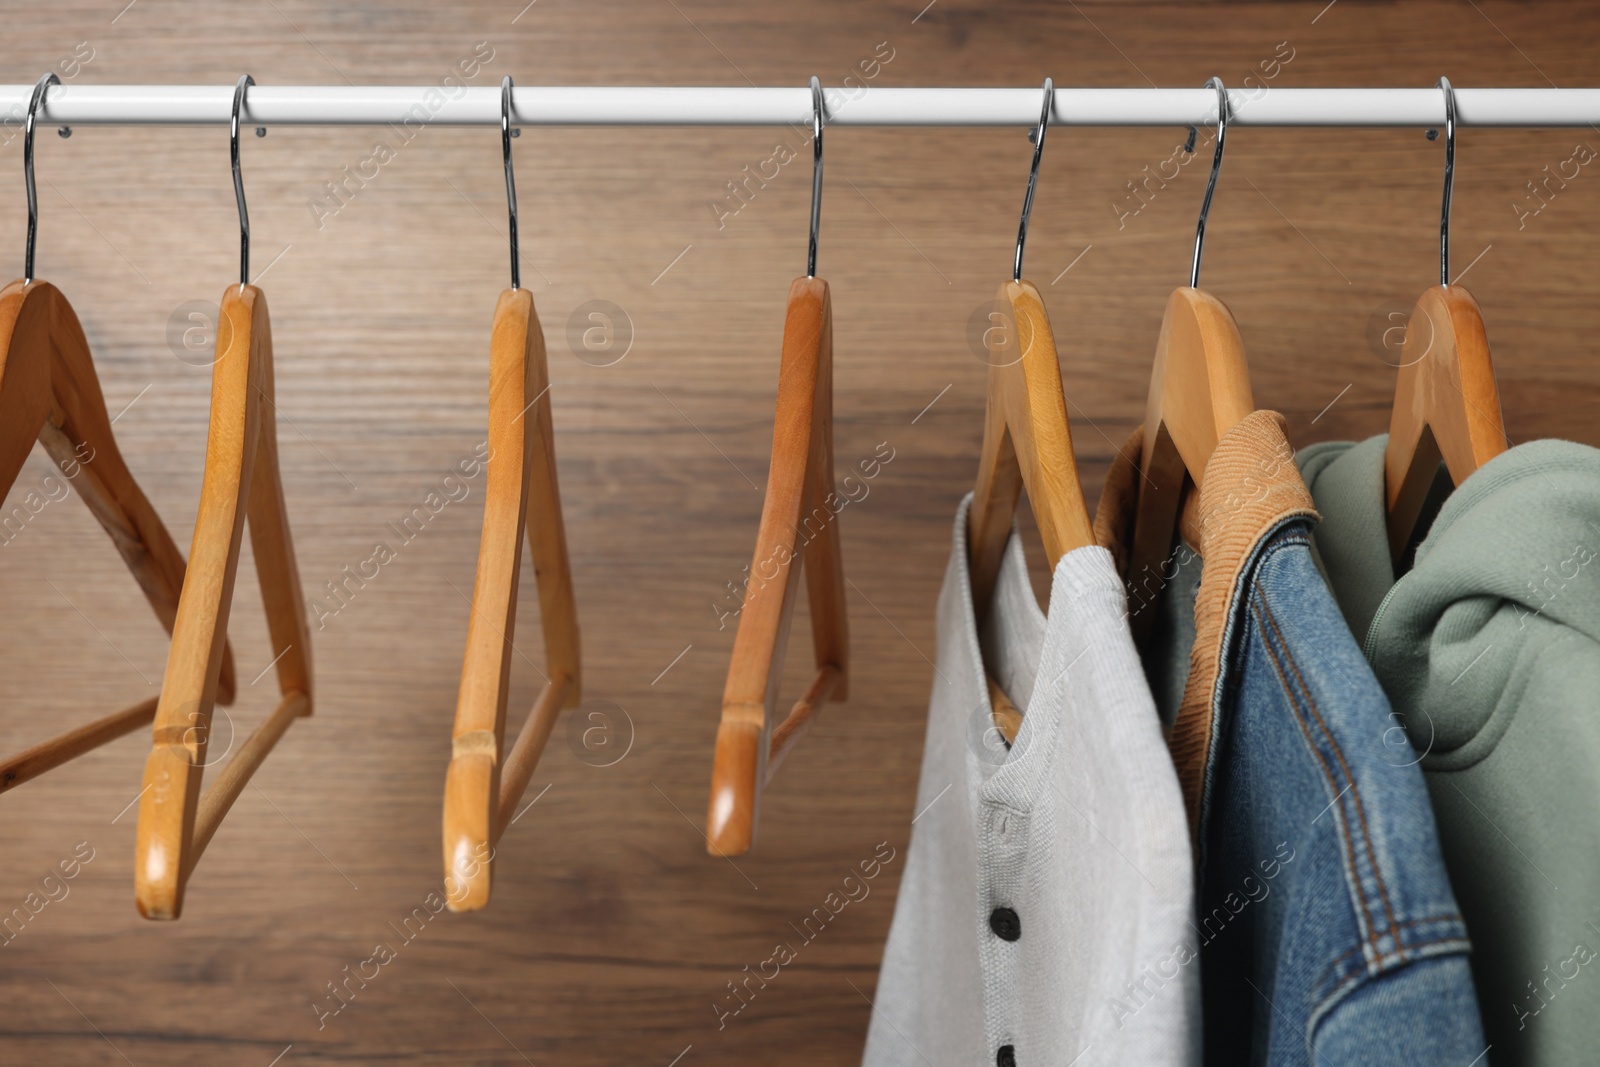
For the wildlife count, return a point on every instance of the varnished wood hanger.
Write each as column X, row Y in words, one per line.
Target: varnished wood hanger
column 1027, row 442
column 1199, row 388
column 798, row 525
column 241, row 478
column 1446, row 404
column 480, row 796
column 49, row 392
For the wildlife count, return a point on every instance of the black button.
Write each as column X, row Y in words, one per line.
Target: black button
column 1005, row 1057
column 1006, row 926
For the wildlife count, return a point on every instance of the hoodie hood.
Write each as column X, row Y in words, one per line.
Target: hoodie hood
column 1510, row 566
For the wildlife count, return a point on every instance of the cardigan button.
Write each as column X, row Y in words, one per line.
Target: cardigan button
column 1006, row 1056
column 1006, row 925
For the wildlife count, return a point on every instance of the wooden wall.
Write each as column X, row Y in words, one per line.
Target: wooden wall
column 612, row 936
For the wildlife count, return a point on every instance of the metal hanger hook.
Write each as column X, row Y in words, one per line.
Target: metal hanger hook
column 1224, row 112
column 1033, row 175
column 1449, row 179
column 506, row 133
column 238, row 181
column 819, row 116
column 27, row 170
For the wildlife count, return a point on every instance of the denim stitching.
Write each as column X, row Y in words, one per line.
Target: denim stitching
column 1356, row 797
column 1327, row 1004
column 1355, row 790
column 1450, row 919
column 1230, row 651
column 1294, row 705
column 1356, row 977
column 1373, row 934
column 1285, row 539
column 1416, row 949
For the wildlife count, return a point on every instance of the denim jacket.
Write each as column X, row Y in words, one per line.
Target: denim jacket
column 1329, row 934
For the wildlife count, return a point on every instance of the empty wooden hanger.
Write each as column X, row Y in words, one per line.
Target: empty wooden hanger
column 241, row 478
column 1446, row 404
column 1199, row 388
column 480, row 795
column 1027, row 442
column 798, row 526
column 49, row 392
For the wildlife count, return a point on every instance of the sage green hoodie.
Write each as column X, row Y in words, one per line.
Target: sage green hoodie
column 1489, row 650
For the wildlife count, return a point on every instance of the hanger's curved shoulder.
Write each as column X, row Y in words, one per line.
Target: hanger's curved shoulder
column 799, row 524
column 472, row 781
column 270, row 538
column 824, row 558
column 484, row 782
column 24, row 381
column 80, row 439
column 546, row 529
column 241, row 479
column 1199, row 389
column 1446, row 405
column 1027, row 442
column 1200, row 384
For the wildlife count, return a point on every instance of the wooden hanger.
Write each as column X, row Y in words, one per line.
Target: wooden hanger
column 798, row 525
column 1027, row 444
column 1027, row 441
column 49, row 392
column 1446, row 404
column 241, row 478
column 480, row 795
column 1199, row 389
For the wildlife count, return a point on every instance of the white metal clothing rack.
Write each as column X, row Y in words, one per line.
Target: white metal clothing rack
column 320, row 105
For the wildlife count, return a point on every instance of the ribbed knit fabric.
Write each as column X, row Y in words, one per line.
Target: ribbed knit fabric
column 1251, row 485
column 1076, row 834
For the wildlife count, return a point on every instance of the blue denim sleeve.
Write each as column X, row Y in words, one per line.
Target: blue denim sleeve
column 1422, row 1012
column 1355, row 953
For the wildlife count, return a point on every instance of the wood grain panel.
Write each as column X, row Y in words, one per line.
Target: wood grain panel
column 613, row 936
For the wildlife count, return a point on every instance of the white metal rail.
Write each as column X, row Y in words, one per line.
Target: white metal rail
column 75, row 104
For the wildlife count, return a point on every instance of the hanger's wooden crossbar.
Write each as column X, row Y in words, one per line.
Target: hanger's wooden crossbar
column 481, row 793
column 241, row 480
column 32, row 762
column 49, row 392
column 750, row 747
